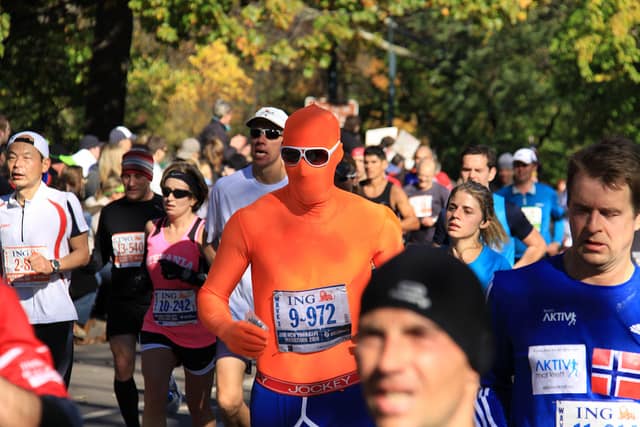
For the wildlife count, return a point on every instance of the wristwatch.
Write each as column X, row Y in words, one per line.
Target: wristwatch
column 55, row 264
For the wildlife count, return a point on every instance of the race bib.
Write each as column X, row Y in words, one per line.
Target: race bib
column 312, row 320
column 608, row 413
column 534, row 215
column 422, row 205
column 17, row 269
column 128, row 249
column 175, row 307
column 558, row 368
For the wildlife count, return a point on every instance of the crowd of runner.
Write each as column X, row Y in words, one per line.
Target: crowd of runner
column 365, row 288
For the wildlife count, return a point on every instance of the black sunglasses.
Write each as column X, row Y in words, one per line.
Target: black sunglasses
column 178, row 194
column 269, row 133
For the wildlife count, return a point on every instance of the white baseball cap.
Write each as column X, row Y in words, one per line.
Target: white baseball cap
column 32, row 138
column 526, row 156
column 272, row 114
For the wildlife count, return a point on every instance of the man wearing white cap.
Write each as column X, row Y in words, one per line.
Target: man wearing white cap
column 229, row 194
column 123, row 137
column 43, row 237
column 538, row 201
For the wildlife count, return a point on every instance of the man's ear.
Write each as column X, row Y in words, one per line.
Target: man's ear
column 492, row 173
column 46, row 164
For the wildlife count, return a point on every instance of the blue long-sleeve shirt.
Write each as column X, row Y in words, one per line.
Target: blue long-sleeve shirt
column 540, row 205
column 565, row 350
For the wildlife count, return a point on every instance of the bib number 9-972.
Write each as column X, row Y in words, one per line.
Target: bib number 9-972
column 311, row 320
column 318, row 315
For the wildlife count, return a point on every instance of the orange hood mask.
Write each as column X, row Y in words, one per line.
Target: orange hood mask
column 308, row 127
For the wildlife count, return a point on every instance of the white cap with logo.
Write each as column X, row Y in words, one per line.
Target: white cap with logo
column 32, row 138
column 525, row 155
column 271, row 114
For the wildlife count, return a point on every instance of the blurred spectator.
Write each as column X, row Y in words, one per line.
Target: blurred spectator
column 357, row 154
column 235, row 163
column 157, row 146
column 123, row 137
column 425, row 152
column 379, row 189
column 346, row 176
column 505, row 171
column 219, row 124
column 350, row 134
column 537, row 201
column 428, row 199
column 110, row 162
column 213, row 153
column 242, row 145
column 88, row 153
column 71, row 180
column 5, row 133
column 189, row 151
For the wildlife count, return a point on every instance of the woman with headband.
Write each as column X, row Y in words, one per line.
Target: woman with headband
column 171, row 333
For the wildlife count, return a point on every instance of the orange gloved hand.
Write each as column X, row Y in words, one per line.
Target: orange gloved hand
column 244, row 338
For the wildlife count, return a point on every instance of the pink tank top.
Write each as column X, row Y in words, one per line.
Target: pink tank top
column 173, row 311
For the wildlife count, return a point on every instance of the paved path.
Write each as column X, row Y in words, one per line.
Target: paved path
column 92, row 388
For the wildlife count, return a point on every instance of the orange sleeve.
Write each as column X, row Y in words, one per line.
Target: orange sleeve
column 231, row 260
column 390, row 239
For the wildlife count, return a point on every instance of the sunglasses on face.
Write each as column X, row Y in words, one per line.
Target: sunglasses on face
column 178, row 194
column 269, row 133
column 314, row 156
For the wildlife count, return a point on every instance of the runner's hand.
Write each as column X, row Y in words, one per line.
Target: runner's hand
column 170, row 270
column 39, row 263
column 245, row 338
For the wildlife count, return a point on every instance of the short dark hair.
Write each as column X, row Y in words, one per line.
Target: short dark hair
column 614, row 160
column 156, row 143
column 483, row 150
column 194, row 179
column 375, row 150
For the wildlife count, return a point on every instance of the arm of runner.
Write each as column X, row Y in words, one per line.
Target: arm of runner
column 522, row 229
column 390, row 239
column 19, row 407
column 492, row 402
column 33, row 392
column 536, row 248
column 230, row 262
column 24, row 408
column 409, row 221
column 78, row 257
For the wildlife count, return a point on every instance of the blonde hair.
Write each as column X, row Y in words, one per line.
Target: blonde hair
column 492, row 235
column 110, row 161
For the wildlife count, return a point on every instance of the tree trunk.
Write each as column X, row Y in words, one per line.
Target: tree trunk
column 107, row 84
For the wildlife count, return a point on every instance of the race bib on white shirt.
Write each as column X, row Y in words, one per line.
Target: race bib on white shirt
column 608, row 413
column 174, row 307
column 128, row 249
column 422, row 205
column 558, row 368
column 17, row 268
column 311, row 320
column 534, row 215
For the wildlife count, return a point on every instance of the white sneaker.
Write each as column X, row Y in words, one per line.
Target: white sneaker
column 174, row 397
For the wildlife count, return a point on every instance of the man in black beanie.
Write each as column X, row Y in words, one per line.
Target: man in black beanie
column 424, row 340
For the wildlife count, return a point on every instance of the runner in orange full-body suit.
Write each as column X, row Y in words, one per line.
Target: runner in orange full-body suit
column 311, row 247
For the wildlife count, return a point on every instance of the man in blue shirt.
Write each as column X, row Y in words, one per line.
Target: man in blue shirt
column 567, row 328
column 538, row 201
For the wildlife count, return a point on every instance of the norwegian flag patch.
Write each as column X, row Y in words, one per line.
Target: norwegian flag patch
column 615, row 373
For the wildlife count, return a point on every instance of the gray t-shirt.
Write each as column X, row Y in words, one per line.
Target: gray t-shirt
column 229, row 194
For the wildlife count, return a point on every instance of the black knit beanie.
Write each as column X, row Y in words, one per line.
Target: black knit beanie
column 434, row 284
